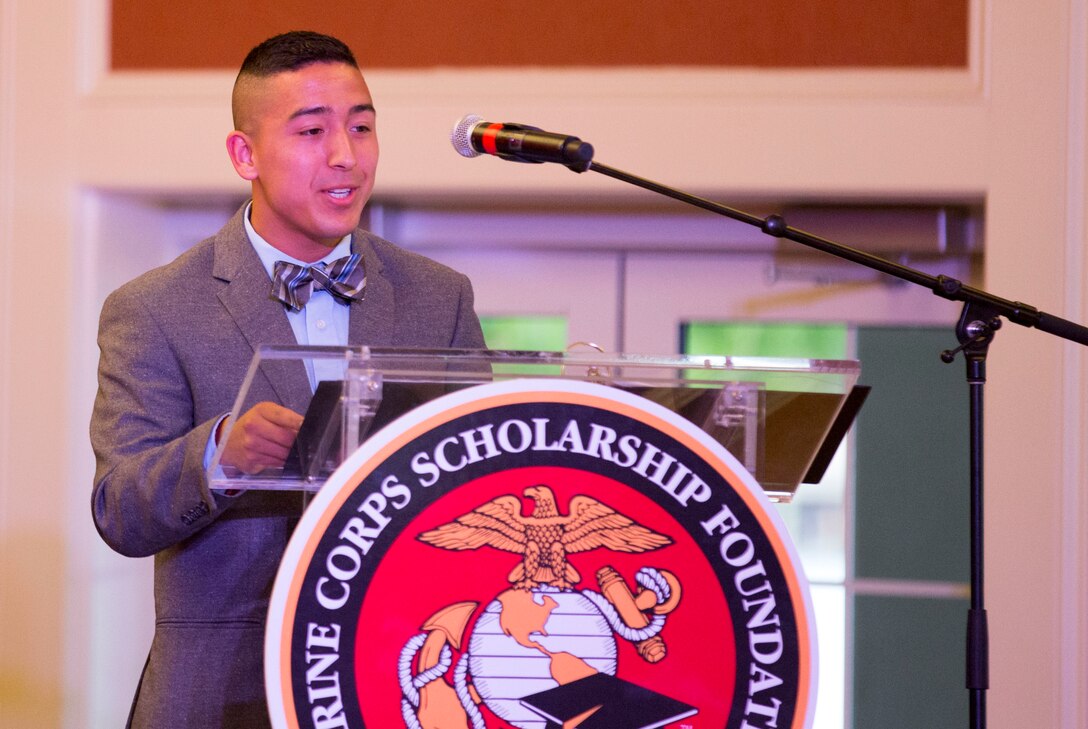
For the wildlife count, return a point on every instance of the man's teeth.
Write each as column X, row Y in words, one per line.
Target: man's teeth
column 340, row 193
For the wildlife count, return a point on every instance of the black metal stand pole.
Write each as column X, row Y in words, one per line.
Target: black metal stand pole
column 975, row 332
column 978, row 637
column 981, row 317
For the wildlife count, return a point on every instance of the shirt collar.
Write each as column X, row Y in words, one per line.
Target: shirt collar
column 269, row 254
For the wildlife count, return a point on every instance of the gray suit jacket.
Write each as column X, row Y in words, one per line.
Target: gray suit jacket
column 175, row 344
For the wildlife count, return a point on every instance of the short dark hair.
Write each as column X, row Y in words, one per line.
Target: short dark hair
column 293, row 50
column 280, row 54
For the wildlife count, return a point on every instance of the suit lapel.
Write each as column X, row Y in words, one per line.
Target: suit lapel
column 259, row 318
column 371, row 322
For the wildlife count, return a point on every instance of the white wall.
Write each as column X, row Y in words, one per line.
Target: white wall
column 37, row 149
column 1011, row 130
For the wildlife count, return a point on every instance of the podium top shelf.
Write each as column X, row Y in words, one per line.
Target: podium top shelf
column 776, row 415
column 487, row 365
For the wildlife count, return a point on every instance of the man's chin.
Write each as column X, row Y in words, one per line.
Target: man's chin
column 343, row 225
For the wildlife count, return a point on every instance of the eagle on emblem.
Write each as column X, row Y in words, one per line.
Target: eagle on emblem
column 545, row 537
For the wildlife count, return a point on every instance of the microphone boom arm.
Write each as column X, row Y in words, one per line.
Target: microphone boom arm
column 943, row 286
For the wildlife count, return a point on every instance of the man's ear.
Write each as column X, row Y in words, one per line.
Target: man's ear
column 240, row 151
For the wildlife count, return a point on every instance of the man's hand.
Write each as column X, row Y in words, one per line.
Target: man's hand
column 261, row 438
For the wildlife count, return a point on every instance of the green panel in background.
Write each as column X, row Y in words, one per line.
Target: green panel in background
column 765, row 339
column 912, row 473
column 532, row 333
column 909, row 662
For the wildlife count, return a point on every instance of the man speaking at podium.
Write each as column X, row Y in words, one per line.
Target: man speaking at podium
column 290, row 267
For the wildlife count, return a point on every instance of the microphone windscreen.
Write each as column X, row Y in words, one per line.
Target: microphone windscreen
column 461, row 136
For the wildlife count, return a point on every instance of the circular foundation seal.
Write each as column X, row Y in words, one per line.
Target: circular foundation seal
column 540, row 553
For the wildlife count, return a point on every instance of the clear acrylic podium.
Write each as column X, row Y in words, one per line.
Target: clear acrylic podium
column 781, row 418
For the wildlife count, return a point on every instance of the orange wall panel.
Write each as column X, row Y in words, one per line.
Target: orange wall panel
column 211, row 34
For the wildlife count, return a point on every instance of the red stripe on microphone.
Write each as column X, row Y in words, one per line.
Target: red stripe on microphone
column 488, row 138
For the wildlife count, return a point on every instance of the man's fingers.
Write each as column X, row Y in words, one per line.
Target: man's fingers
column 278, row 415
column 262, row 437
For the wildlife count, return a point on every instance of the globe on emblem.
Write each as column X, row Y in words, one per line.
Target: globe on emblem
column 531, row 641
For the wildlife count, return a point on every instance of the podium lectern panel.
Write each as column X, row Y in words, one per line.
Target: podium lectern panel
column 774, row 415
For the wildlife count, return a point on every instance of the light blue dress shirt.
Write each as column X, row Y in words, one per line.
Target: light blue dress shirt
column 323, row 321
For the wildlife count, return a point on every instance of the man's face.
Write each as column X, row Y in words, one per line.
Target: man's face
column 310, row 148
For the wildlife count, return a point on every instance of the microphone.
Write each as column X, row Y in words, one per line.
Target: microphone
column 472, row 136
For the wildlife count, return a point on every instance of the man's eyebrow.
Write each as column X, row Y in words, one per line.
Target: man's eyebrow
column 318, row 110
column 310, row 111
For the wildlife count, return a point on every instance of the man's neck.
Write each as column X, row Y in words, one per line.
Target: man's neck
column 301, row 249
column 270, row 252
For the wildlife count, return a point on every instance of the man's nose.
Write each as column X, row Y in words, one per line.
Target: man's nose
column 341, row 151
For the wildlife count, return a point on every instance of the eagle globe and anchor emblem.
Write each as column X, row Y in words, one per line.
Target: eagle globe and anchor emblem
column 544, row 651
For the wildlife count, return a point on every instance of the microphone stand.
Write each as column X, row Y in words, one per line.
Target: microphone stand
column 978, row 323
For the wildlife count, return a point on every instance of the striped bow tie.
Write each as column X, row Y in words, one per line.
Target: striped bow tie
column 344, row 278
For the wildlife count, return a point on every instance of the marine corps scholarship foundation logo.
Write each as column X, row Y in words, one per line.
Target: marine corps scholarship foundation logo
column 535, row 555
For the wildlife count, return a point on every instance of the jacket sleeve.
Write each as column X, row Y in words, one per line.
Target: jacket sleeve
column 150, row 489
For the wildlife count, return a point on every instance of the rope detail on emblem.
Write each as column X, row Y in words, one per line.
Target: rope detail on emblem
column 460, row 682
column 427, row 700
column 615, row 622
column 404, row 668
column 626, row 612
column 435, row 672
